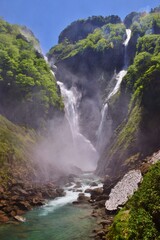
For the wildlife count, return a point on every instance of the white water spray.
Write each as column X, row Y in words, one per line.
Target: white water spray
column 71, row 193
column 128, row 33
column 106, row 123
column 84, row 152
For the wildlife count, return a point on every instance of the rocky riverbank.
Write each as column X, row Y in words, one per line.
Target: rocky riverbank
column 109, row 199
column 95, row 195
column 19, row 197
column 104, row 219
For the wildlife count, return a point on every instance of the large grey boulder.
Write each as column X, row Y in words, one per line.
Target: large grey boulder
column 123, row 190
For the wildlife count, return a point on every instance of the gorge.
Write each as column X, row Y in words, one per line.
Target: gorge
column 79, row 126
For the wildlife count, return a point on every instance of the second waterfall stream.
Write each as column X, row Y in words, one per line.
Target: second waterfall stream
column 105, row 127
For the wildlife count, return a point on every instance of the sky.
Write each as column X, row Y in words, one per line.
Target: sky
column 47, row 18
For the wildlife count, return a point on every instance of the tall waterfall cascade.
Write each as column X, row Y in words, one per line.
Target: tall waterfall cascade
column 84, row 152
column 105, row 128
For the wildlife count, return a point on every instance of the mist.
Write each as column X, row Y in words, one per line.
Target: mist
column 64, row 149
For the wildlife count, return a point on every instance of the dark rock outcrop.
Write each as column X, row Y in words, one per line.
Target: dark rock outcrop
column 81, row 28
column 15, row 201
column 90, row 64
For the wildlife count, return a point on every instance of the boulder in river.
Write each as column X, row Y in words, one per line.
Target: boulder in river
column 94, row 184
column 88, row 190
column 20, row 218
column 82, row 198
column 78, row 185
column 96, row 192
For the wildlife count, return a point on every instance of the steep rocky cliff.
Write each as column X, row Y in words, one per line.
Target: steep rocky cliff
column 89, row 64
column 28, row 91
column 135, row 109
column 29, row 98
column 80, row 29
column 89, row 55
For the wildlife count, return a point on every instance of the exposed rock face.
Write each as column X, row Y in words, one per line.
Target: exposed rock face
column 90, row 68
column 123, row 189
column 134, row 137
column 81, row 28
column 90, row 73
column 131, row 18
column 29, row 36
column 96, row 192
column 82, row 198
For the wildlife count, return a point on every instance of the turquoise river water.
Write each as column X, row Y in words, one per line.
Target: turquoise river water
column 59, row 219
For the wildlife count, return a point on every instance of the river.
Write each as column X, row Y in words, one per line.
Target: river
column 59, row 219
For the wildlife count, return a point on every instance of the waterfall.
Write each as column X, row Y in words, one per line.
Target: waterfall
column 128, row 33
column 71, row 98
column 123, row 72
column 105, row 127
column 83, row 151
column 119, row 78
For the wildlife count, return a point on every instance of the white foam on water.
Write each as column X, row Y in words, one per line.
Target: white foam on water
column 71, row 196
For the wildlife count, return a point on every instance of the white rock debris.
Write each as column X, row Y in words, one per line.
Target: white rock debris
column 123, row 190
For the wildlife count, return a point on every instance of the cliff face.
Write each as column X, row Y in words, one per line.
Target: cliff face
column 89, row 64
column 29, row 94
column 141, row 24
column 29, row 98
column 80, row 29
column 136, row 130
column 28, row 91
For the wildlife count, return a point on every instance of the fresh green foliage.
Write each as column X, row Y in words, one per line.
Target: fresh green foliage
column 28, row 34
column 114, row 33
column 140, row 217
column 80, row 29
column 109, row 37
column 142, row 79
column 28, row 91
column 142, row 24
column 128, row 134
column 135, row 110
column 146, row 24
column 149, row 43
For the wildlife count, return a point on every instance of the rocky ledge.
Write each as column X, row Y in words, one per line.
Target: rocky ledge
column 19, row 197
